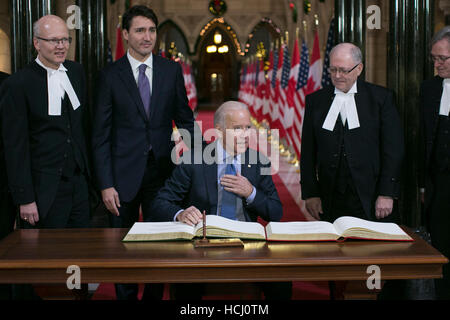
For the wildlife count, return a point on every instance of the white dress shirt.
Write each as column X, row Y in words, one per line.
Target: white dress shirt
column 135, row 68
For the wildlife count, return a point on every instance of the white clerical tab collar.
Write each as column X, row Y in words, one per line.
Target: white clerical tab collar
column 58, row 83
column 444, row 108
column 343, row 103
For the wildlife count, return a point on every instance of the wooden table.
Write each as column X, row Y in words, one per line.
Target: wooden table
column 37, row 256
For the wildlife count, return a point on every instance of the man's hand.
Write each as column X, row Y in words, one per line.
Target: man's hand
column 190, row 216
column 29, row 213
column 237, row 184
column 314, row 207
column 383, row 207
column 111, row 200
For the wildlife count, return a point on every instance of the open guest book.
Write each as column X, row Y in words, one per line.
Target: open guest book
column 220, row 227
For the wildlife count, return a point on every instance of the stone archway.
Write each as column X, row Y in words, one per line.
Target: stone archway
column 5, row 52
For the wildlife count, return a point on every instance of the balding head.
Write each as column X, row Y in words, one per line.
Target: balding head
column 51, row 40
column 345, row 65
column 347, row 49
column 46, row 23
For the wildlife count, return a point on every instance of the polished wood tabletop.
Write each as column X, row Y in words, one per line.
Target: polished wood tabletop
column 37, row 256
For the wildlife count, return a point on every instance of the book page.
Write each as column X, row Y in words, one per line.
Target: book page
column 159, row 231
column 301, row 230
column 356, row 227
column 223, row 227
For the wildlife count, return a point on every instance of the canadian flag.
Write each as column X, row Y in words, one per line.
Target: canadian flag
column 315, row 68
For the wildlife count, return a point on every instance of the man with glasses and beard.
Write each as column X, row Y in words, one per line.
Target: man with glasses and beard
column 352, row 145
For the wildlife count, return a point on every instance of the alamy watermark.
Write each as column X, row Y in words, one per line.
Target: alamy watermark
column 235, row 139
column 374, row 280
column 374, row 17
column 74, row 280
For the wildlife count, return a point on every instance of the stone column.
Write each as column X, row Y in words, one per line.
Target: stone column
column 23, row 14
column 350, row 23
column 91, row 41
column 410, row 32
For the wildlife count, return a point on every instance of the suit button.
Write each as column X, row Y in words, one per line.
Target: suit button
column 60, row 170
column 68, row 126
column 69, row 141
column 65, row 156
column 335, row 155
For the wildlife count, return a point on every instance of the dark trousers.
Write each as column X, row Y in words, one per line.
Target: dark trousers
column 7, row 218
column 345, row 202
column 70, row 209
column 439, row 225
column 152, row 181
column 271, row 290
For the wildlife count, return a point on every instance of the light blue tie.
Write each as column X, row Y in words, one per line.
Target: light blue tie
column 229, row 198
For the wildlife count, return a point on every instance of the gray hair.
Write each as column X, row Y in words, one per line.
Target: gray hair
column 221, row 112
column 355, row 52
column 36, row 28
column 444, row 33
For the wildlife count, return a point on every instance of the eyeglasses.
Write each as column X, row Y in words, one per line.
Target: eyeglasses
column 334, row 70
column 55, row 42
column 440, row 59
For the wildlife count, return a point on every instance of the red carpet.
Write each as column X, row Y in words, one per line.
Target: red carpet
column 291, row 212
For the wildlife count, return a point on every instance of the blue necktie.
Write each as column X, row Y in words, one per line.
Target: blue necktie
column 229, row 198
column 144, row 88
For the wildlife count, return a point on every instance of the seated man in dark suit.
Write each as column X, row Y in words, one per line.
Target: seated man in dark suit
column 231, row 180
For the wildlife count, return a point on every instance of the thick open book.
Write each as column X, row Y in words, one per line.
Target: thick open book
column 341, row 229
column 217, row 226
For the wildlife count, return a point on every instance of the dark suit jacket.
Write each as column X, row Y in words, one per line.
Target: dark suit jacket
column 3, row 179
column 7, row 210
column 122, row 133
column 196, row 185
column 374, row 150
column 429, row 104
column 34, row 141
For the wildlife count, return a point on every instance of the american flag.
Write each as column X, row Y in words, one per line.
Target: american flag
column 280, row 96
column 295, row 98
column 273, row 96
column 304, row 67
column 326, row 80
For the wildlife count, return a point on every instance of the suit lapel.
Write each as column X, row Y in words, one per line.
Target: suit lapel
column 156, row 84
column 126, row 74
column 435, row 102
column 361, row 100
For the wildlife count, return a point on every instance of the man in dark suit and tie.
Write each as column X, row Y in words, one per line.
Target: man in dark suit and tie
column 139, row 97
column 435, row 152
column 230, row 180
column 42, row 117
column 352, row 145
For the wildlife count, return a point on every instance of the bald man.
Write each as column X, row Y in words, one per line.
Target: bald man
column 352, row 145
column 42, row 122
